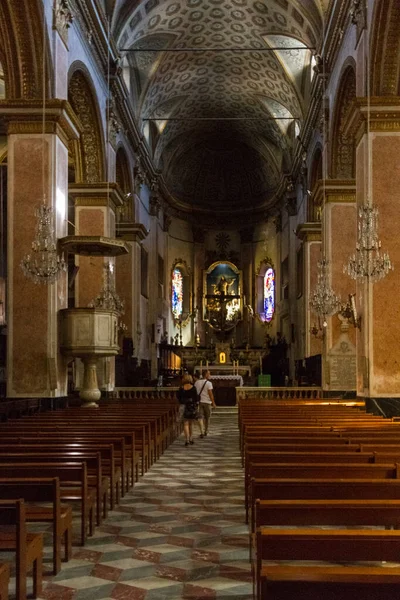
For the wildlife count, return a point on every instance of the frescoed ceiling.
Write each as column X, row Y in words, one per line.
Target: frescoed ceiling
column 219, row 88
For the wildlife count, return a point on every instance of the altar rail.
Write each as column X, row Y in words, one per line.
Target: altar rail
column 278, row 393
column 130, row 393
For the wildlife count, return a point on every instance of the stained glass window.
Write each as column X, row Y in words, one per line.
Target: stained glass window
column 177, row 293
column 269, row 295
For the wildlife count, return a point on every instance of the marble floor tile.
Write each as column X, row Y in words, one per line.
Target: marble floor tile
column 179, row 534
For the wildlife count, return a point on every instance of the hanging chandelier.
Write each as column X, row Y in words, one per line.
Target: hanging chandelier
column 44, row 264
column 108, row 298
column 368, row 262
column 323, row 301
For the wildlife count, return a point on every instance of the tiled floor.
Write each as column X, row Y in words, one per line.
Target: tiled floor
column 179, row 534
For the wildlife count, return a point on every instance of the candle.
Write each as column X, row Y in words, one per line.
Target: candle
column 260, row 365
column 207, row 364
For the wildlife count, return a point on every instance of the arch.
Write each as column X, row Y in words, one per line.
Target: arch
column 124, row 180
column 316, row 174
column 385, row 49
column 343, row 147
column 88, row 152
column 22, row 49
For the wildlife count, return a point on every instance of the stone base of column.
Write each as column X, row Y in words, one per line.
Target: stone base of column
column 387, row 407
column 342, row 394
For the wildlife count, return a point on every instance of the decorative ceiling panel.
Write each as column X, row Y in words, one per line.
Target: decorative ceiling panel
column 224, row 81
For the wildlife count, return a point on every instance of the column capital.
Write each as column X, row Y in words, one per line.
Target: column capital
column 383, row 113
column 26, row 117
column 97, row 194
column 132, row 232
column 309, row 232
column 334, row 190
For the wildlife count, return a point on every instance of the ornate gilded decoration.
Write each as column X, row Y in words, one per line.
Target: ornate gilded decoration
column 385, row 48
column 358, row 15
column 343, row 154
column 81, row 98
column 63, row 18
column 22, row 48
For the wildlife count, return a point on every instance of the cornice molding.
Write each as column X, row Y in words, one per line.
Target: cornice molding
column 334, row 190
column 382, row 113
column 309, row 232
column 132, row 232
column 26, row 117
column 97, row 194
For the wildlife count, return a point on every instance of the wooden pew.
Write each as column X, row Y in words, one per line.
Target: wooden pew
column 275, row 582
column 73, row 482
column 315, row 471
column 35, row 492
column 92, row 459
column 4, row 580
column 28, row 547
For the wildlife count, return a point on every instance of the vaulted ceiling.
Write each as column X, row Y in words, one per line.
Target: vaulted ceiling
column 220, row 89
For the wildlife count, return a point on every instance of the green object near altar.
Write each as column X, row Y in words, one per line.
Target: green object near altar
column 264, row 381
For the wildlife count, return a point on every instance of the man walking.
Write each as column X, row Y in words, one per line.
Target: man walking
column 205, row 390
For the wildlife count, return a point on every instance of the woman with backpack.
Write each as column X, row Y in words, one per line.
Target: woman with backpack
column 188, row 397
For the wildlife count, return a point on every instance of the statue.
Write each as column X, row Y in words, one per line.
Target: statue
column 221, row 288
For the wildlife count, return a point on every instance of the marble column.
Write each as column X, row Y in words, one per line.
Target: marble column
column 310, row 235
column 128, row 277
column 95, row 209
column 37, row 167
column 338, row 198
column 247, row 264
column 199, row 255
column 378, row 176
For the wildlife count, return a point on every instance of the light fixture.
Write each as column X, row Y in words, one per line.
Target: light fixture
column 323, row 301
column 368, row 263
column 108, row 298
column 44, row 264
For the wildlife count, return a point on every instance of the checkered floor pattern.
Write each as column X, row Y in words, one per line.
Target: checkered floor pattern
column 179, row 534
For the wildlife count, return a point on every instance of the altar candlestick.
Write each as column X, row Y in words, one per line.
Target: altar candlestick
column 260, row 365
column 207, row 364
column 201, row 367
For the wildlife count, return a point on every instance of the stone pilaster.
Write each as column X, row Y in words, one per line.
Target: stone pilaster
column 338, row 198
column 310, row 234
column 378, row 177
column 37, row 167
column 128, row 277
column 199, row 256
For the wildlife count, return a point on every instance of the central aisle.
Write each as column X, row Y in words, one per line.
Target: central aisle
column 179, row 534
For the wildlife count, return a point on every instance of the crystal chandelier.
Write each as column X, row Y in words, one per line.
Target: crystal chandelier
column 44, row 264
column 108, row 298
column 368, row 262
column 324, row 302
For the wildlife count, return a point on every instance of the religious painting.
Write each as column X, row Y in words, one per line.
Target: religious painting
column 222, row 296
column 269, row 294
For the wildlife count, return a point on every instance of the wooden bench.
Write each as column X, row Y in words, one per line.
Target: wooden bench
column 275, row 582
column 93, row 462
column 73, row 482
column 35, row 492
column 28, row 547
column 4, row 580
column 314, row 471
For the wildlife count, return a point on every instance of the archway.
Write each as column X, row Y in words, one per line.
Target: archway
column 88, row 153
column 343, row 147
column 385, row 49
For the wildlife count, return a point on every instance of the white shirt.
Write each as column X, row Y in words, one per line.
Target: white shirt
column 204, row 397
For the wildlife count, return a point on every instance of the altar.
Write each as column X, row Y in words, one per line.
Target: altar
column 225, row 384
